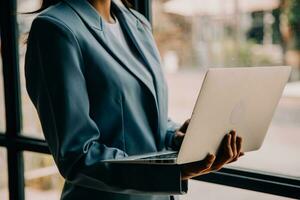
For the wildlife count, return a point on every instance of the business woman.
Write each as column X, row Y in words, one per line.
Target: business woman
column 94, row 74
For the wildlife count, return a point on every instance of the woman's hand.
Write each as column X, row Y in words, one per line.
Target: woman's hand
column 229, row 151
column 179, row 135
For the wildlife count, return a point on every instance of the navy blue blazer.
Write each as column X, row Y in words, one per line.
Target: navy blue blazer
column 95, row 102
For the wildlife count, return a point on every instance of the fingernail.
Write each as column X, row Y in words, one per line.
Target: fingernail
column 210, row 155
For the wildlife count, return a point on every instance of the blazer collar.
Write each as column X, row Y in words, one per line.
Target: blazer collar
column 90, row 16
column 87, row 12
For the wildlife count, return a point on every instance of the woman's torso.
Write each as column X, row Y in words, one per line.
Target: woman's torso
column 127, row 96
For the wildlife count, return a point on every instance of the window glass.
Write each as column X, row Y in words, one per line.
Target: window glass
column 194, row 34
column 42, row 180
column 2, row 108
column 31, row 123
column 3, row 175
column 208, row 191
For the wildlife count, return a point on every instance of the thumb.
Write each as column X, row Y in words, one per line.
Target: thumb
column 185, row 125
column 178, row 139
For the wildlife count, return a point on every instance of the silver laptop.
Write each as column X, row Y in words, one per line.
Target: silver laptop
column 230, row 98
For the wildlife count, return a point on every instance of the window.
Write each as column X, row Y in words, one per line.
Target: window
column 31, row 124
column 209, row 191
column 2, row 109
column 193, row 35
column 202, row 35
column 3, row 175
column 42, row 180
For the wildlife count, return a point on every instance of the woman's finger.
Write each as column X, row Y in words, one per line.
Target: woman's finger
column 239, row 142
column 233, row 143
column 179, row 135
column 177, row 141
column 238, row 147
column 224, row 154
column 240, row 155
column 228, row 149
column 185, row 125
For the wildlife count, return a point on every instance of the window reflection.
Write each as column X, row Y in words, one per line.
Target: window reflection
column 193, row 35
column 42, row 180
column 31, row 123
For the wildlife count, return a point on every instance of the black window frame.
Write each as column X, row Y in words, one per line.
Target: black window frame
column 15, row 143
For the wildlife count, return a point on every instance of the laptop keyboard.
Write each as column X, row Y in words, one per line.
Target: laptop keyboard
column 164, row 156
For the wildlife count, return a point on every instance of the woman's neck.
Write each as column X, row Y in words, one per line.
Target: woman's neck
column 103, row 8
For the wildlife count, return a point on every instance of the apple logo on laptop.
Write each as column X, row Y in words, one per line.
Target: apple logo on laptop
column 237, row 112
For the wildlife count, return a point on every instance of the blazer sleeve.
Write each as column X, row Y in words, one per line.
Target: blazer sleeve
column 55, row 82
column 172, row 127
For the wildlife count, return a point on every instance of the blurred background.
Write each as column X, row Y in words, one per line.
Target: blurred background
column 193, row 35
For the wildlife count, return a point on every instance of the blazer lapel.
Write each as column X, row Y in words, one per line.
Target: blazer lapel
column 150, row 56
column 95, row 23
column 153, row 66
column 143, row 45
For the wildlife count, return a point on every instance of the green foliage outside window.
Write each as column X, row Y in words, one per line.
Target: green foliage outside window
column 293, row 14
